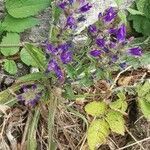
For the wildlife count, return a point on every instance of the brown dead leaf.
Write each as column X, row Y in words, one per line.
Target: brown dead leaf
column 125, row 81
column 80, row 101
column 4, row 108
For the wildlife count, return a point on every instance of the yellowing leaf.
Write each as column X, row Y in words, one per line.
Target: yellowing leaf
column 97, row 133
column 143, row 89
column 95, row 108
column 119, row 104
column 145, row 108
column 116, row 122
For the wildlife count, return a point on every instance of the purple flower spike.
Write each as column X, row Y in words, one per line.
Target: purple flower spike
column 123, row 65
column 63, row 5
column 110, row 15
column 100, row 15
column 95, row 53
column 106, row 50
column 85, row 8
column 63, row 47
column 112, row 45
column 114, row 58
column 136, row 51
column 59, row 73
column 121, row 34
column 52, row 65
column 100, row 42
column 71, row 2
column 50, row 49
column 71, row 22
column 112, row 31
column 92, row 29
column 66, row 57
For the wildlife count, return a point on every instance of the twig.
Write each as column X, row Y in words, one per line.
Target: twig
column 85, row 137
column 134, row 139
column 116, row 79
column 137, row 142
column 112, row 141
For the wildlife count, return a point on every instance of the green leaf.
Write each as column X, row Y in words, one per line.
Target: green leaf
column 10, row 39
column 123, row 17
column 97, row 133
column 25, row 8
column 119, row 104
column 116, row 122
column 134, row 12
column 119, row 2
column 10, row 66
column 143, row 89
column 57, row 12
column 145, row 108
column 146, row 9
column 141, row 24
column 31, row 77
column 32, row 144
column 33, row 56
column 96, row 108
column 11, row 24
column 140, row 5
column 145, row 59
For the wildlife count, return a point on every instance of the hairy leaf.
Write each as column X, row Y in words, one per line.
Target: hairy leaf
column 145, row 108
column 140, row 5
column 11, row 24
column 141, row 24
column 116, row 122
column 33, row 56
column 11, row 39
column 25, row 8
column 96, row 108
column 146, row 9
column 143, row 89
column 10, row 66
column 120, row 104
column 97, row 133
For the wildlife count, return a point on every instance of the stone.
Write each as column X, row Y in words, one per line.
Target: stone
column 99, row 6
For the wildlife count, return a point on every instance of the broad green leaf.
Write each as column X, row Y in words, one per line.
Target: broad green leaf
column 116, row 122
column 97, row 133
column 146, row 9
column 140, row 24
column 143, row 89
column 145, row 108
column 33, row 56
column 10, row 66
column 10, row 39
column 134, row 12
column 145, row 59
column 120, row 104
column 25, row 8
column 140, row 5
column 11, row 24
column 96, row 108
